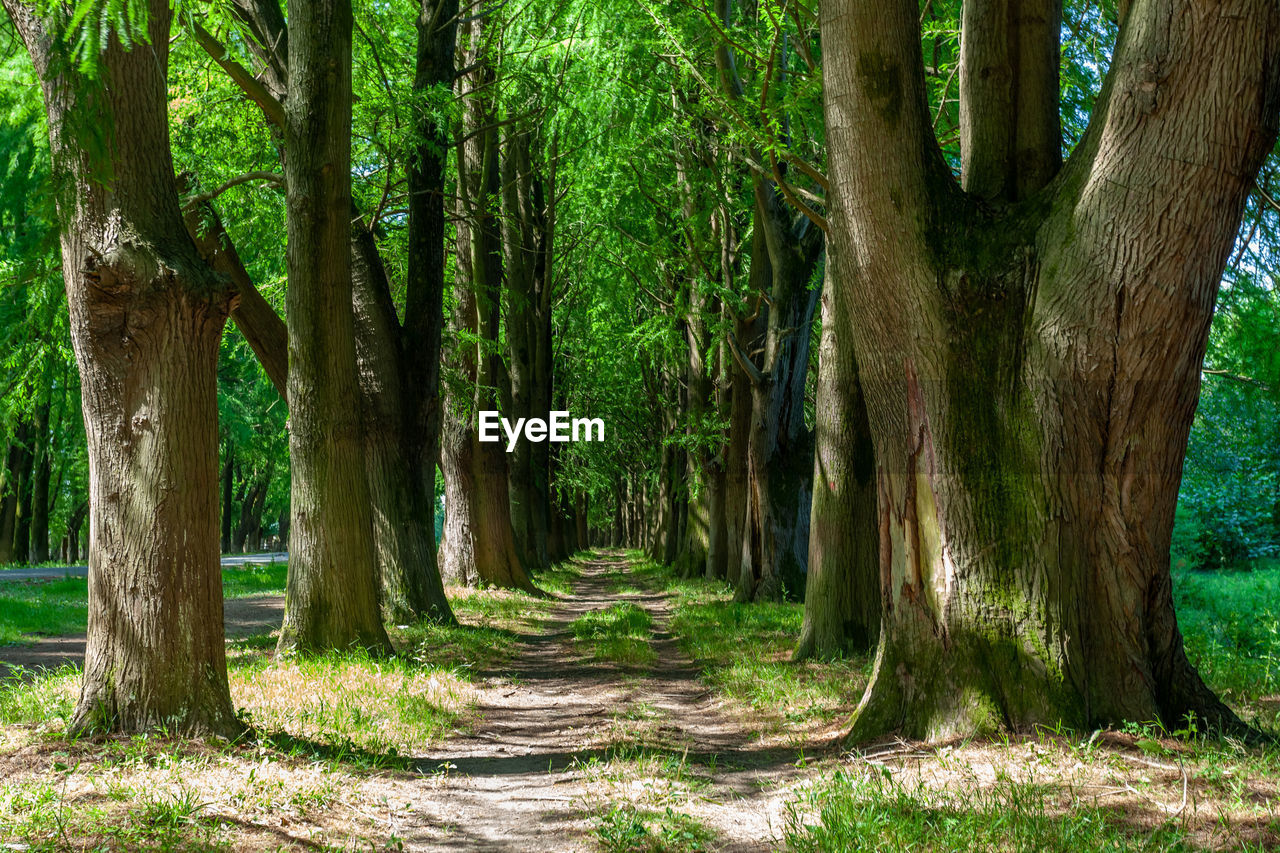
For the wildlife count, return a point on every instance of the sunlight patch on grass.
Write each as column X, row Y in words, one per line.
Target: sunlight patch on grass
column 872, row 813
column 378, row 705
column 744, row 652
column 617, row 634
column 29, row 609
column 1230, row 621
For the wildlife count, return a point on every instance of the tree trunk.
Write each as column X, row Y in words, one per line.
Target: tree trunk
column 479, row 286
column 1031, row 366
column 779, row 445
column 842, row 591
column 146, row 320
column 74, row 523
column 11, row 484
column 41, row 472
column 227, row 478
column 22, row 515
column 331, row 599
column 399, row 365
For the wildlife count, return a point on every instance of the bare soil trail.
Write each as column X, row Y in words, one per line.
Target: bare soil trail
column 534, row 773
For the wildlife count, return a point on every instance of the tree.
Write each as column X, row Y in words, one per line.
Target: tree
column 480, row 543
column 331, row 596
column 398, row 361
column 842, row 586
column 1029, row 344
column 146, row 317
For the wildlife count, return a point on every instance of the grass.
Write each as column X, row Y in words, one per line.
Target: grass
column 875, row 813
column 744, row 652
column 626, row 827
column 1230, row 622
column 30, row 609
column 617, row 634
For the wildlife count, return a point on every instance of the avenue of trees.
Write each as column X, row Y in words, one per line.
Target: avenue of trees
column 901, row 309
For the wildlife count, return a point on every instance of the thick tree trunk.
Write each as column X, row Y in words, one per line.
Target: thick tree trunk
column 146, row 320
column 525, row 241
column 402, row 363
column 479, row 284
column 331, row 600
column 1031, row 369
column 779, row 445
column 842, row 591
column 397, row 458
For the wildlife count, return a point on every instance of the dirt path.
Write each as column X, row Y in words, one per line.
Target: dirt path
column 526, row 780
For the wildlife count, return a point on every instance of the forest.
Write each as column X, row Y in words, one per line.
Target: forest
column 640, row 425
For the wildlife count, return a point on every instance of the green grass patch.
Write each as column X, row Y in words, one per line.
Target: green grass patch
column 1230, row 621
column 30, row 609
column 626, row 827
column 744, row 652
column 875, row 813
column 619, row 634
column 254, row 579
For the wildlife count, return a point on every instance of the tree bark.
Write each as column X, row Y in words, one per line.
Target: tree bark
column 479, row 284
column 42, row 470
column 146, row 319
column 331, row 598
column 399, row 366
column 228, row 483
column 779, row 445
column 1031, row 369
column 842, row 588
column 525, row 243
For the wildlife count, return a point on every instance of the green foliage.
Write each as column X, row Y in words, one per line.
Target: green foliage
column 1229, row 509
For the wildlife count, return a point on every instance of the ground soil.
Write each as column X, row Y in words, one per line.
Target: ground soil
column 525, row 779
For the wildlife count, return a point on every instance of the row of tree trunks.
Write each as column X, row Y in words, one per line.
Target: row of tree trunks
column 398, row 363
column 146, row 319
column 484, row 549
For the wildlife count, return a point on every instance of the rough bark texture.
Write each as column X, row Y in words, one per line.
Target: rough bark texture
column 1031, row 369
column 146, row 318
column 842, row 588
column 331, row 599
